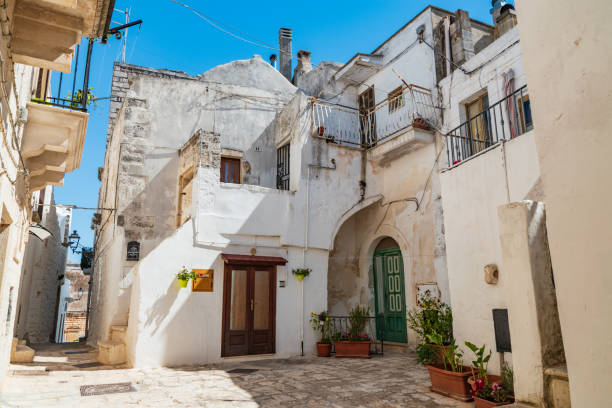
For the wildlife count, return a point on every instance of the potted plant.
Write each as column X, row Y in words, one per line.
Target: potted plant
column 320, row 323
column 481, row 364
column 301, row 273
column 355, row 343
column 491, row 394
column 450, row 377
column 489, row 390
column 183, row 277
column 431, row 318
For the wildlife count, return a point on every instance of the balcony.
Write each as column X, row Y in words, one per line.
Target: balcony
column 45, row 32
column 395, row 126
column 52, row 143
column 506, row 119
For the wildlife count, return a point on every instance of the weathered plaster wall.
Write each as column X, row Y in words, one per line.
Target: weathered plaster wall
column 567, row 62
column 471, row 194
column 14, row 197
column 43, row 267
column 388, row 214
column 153, row 113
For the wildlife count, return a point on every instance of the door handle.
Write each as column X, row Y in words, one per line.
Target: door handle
column 252, row 305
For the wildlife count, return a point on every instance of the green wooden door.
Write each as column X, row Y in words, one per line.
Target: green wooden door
column 390, row 295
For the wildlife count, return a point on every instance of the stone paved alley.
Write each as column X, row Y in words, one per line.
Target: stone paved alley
column 55, row 380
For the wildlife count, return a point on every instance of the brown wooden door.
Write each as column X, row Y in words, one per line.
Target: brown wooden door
column 368, row 117
column 249, row 311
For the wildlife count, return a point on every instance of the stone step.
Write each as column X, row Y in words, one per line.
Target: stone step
column 556, row 387
column 118, row 333
column 22, row 354
column 111, row 352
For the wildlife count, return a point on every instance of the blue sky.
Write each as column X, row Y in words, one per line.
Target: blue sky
column 173, row 37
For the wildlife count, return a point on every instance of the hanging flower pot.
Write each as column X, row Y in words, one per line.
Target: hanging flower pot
column 183, row 277
column 301, row 273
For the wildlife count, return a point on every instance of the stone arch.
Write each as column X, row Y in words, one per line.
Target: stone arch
column 350, row 266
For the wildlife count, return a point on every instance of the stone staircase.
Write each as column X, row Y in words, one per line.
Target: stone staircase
column 20, row 353
column 112, row 351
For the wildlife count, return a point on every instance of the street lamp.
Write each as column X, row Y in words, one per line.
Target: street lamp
column 74, row 239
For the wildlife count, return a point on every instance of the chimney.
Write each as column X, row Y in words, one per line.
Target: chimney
column 462, row 45
column 273, row 60
column 284, row 42
column 303, row 65
column 504, row 16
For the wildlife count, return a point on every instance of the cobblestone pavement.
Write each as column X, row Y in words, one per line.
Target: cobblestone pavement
column 53, row 380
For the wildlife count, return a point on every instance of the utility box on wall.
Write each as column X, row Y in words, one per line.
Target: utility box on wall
column 204, row 281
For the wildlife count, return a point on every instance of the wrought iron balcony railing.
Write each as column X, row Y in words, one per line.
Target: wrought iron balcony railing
column 504, row 120
column 389, row 118
column 70, row 91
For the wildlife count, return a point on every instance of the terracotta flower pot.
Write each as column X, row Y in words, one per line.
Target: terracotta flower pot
column 449, row 383
column 323, row 349
column 483, row 403
column 183, row 283
column 352, row 349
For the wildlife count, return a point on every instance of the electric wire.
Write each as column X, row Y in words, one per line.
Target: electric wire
column 217, row 25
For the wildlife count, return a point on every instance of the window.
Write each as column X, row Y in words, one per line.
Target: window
column 525, row 111
column 282, row 167
column 478, row 123
column 230, row 170
column 185, row 197
column 396, row 99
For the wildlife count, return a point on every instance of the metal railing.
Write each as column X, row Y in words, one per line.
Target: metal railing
column 345, row 125
column 374, row 329
column 69, row 91
column 504, row 120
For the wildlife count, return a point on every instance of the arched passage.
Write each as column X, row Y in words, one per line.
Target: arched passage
column 359, row 241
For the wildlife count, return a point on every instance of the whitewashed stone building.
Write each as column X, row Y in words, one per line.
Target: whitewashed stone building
column 242, row 174
column 43, row 272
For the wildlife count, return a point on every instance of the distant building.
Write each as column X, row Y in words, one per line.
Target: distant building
column 76, row 315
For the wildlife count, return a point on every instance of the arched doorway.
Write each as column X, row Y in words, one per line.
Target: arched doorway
column 389, row 292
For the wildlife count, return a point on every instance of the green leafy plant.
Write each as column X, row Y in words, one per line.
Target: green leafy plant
column 452, row 358
column 301, row 273
column 76, row 100
column 491, row 392
column 430, row 318
column 481, row 362
column 358, row 319
column 508, row 378
column 320, row 323
column 185, row 274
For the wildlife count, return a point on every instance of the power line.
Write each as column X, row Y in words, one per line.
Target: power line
column 76, row 207
column 211, row 21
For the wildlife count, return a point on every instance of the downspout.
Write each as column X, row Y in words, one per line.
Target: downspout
column 306, row 230
column 447, row 44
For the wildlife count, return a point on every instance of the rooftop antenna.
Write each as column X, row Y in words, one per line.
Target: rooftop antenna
column 126, row 13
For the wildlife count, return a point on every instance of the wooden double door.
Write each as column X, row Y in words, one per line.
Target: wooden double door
column 249, row 309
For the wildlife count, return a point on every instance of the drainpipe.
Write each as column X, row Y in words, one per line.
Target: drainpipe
column 306, row 230
column 447, row 44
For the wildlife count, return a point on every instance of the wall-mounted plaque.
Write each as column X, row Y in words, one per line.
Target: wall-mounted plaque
column 502, row 331
column 133, row 251
column 203, row 281
column 427, row 288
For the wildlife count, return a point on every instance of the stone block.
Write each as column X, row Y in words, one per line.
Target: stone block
column 22, row 354
column 111, row 352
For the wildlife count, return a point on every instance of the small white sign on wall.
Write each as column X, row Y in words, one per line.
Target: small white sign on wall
column 423, row 288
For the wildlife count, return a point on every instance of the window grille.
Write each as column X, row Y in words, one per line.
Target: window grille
column 282, row 167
